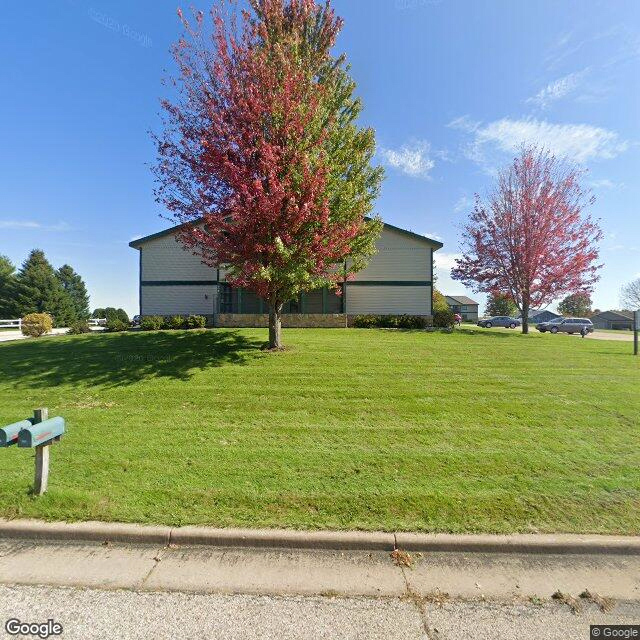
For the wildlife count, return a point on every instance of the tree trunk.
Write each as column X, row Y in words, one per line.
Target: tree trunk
column 525, row 316
column 275, row 325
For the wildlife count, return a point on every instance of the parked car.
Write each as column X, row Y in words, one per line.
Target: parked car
column 500, row 321
column 566, row 325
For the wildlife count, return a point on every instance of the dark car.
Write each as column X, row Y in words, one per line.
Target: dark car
column 566, row 325
column 500, row 321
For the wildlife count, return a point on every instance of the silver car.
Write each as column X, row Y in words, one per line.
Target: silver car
column 500, row 321
column 566, row 325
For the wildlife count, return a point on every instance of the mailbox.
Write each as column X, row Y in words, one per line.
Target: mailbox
column 9, row 434
column 41, row 433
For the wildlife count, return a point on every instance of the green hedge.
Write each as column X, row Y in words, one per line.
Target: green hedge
column 115, row 325
column 153, row 323
column 391, row 322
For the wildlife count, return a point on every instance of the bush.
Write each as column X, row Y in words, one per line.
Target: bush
column 115, row 324
column 390, row 322
column 444, row 318
column 175, row 322
column 36, row 324
column 151, row 323
column 79, row 327
column 196, row 322
column 365, row 322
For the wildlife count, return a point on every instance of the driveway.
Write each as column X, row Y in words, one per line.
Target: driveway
column 6, row 336
column 622, row 336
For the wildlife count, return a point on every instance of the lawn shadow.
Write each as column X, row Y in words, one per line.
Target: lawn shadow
column 123, row 358
column 506, row 333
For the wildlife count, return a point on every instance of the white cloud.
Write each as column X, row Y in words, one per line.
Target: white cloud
column 413, row 159
column 433, row 236
column 558, row 89
column 16, row 224
column 578, row 142
column 445, row 261
column 463, row 205
column 606, row 184
column 465, row 123
column 32, row 224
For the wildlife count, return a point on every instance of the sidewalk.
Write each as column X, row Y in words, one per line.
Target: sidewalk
column 15, row 334
column 137, row 582
column 314, row 563
column 7, row 336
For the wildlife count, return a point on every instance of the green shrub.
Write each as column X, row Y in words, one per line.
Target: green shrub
column 175, row 322
column 365, row 322
column 151, row 323
column 444, row 318
column 390, row 322
column 79, row 327
column 36, row 324
column 115, row 324
column 196, row 322
column 411, row 322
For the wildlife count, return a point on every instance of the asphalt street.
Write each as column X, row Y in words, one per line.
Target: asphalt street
column 87, row 614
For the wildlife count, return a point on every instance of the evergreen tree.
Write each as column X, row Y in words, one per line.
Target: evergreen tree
column 38, row 290
column 73, row 284
column 111, row 313
column 7, row 289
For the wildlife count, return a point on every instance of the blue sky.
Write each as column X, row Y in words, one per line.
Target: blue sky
column 450, row 87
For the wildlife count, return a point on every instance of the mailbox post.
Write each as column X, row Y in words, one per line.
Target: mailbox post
column 42, row 457
column 36, row 433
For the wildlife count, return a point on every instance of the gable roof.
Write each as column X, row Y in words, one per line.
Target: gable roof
column 462, row 299
column 536, row 312
column 627, row 315
column 136, row 244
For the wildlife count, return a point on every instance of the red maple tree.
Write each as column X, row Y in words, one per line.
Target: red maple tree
column 531, row 238
column 243, row 162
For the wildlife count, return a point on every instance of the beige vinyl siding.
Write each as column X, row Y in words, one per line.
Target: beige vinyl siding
column 388, row 299
column 399, row 257
column 164, row 259
column 178, row 300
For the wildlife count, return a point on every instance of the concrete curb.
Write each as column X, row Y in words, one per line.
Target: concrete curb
column 324, row 540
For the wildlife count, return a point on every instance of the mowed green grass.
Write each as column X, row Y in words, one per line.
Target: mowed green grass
column 480, row 430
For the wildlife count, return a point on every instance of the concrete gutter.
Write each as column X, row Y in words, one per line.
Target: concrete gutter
column 322, row 540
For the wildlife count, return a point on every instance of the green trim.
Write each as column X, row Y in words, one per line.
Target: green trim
column 140, row 281
column 411, row 234
column 136, row 243
column 176, row 283
column 389, row 283
column 325, row 299
column 239, row 290
column 431, row 276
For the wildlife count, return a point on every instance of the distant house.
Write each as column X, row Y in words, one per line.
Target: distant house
column 542, row 315
column 613, row 320
column 466, row 307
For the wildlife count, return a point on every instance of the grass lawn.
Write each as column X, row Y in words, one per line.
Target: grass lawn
column 480, row 430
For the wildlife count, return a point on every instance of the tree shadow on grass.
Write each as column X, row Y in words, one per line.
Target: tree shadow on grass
column 122, row 358
column 502, row 333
